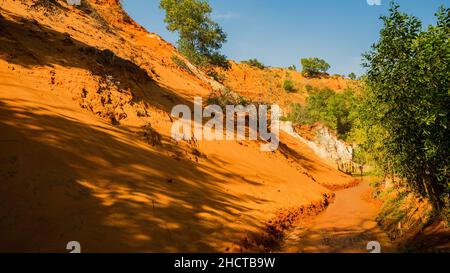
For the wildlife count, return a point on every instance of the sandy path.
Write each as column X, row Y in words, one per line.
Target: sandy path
column 346, row 226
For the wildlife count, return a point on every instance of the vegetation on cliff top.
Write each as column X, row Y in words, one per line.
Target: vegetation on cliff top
column 200, row 38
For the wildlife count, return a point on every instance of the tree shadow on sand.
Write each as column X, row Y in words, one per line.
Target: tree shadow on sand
column 63, row 180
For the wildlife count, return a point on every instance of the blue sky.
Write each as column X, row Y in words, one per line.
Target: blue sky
column 280, row 32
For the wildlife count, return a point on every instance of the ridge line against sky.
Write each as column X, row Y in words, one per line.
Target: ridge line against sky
column 280, row 32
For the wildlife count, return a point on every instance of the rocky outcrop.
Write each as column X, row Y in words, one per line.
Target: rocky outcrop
column 326, row 146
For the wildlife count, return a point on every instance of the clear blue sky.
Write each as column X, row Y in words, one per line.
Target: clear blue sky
column 280, row 32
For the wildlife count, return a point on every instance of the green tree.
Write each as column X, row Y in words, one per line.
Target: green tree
column 352, row 76
column 298, row 114
column 408, row 102
column 316, row 106
column 200, row 38
column 340, row 112
column 314, row 66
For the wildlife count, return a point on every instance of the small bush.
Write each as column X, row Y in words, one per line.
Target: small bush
column 217, row 76
column 255, row 63
column 309, row 88
column 292, row 68
column 218, row 60
column 227, row 97
column 151, row 136
column 288, row 86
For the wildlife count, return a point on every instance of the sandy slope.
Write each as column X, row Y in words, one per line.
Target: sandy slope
column 79, row 162
column 267, row 85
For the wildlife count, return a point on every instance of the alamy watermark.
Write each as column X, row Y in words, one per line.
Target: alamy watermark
column 263, row 123
column 74, row 247
column 374, row 2
column 374, row 247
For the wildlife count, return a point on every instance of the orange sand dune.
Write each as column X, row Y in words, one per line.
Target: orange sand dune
column 267, row 84
column 86, row 153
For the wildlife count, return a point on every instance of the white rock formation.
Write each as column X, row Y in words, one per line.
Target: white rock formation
column 325, row 146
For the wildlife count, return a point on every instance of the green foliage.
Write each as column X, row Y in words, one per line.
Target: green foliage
column 407, row 102
column 341, row 112
column 255, row 63
column 402, row 210
column 313, row 67
column 309, row 88
column 392, row 212
column 289, row 86
column 218, row 60
column 292, row 68
column 335, row 110
column 317, row 104
column 352, row 76
column 217, row 76
column 200, row 37
column 297, row 114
